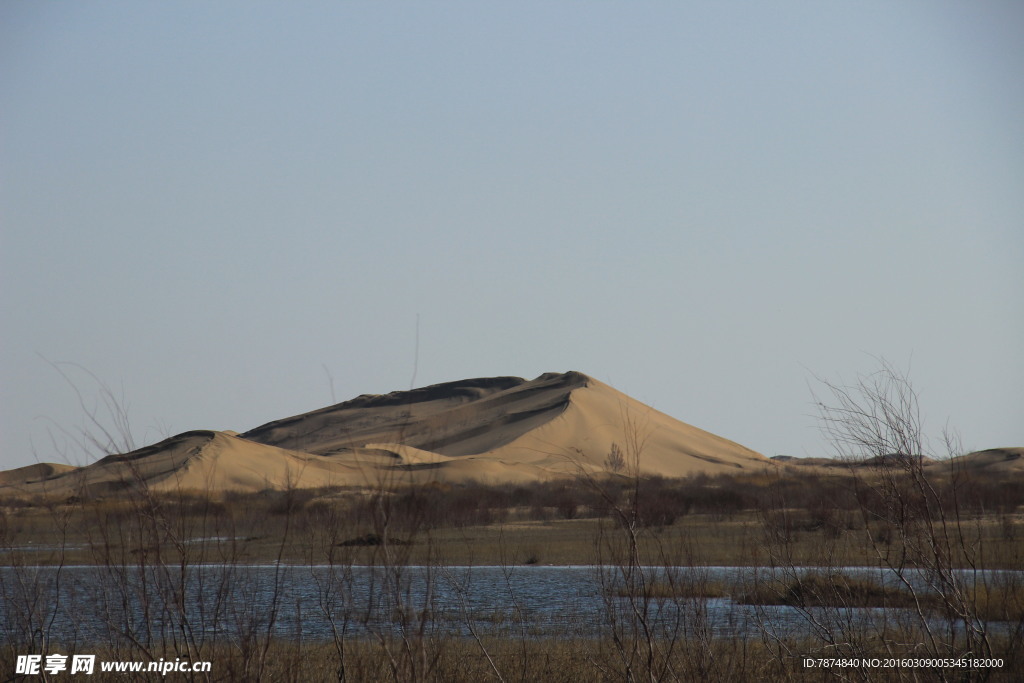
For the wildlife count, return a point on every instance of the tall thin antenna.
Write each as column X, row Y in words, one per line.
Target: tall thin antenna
column 330, row 380
column 416, row 355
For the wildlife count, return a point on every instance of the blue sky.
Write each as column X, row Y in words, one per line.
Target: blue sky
column 226, row 210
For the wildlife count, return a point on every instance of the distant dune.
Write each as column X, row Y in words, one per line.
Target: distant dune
column 993, row 461
column 1002, row 460
column 500, row 429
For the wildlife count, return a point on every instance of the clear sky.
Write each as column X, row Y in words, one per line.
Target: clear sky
column 229, row 211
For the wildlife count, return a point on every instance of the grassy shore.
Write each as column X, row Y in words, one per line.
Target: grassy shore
column 47, row 537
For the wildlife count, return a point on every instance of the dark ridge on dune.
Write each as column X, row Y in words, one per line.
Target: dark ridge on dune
column 433, row 417
column 459, row 391
column 469, row 389
column 1004, row 453
column 572, row 377
column 153, row 449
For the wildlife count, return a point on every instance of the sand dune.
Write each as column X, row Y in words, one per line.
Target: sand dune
column 993, row 460
column 595, row 416
column 500, row 429
column 197, row 460
column 33, row 473
column 556, row 424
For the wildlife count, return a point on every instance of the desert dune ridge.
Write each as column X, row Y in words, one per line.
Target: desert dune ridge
column 491, row 430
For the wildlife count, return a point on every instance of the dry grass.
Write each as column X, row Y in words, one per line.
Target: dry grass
column 832, row 589
column 549, row 660
column 247, row 533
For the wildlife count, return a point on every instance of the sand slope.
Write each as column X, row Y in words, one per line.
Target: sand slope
column 596, row 416
column 500, row 429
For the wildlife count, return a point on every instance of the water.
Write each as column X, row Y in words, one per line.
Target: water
column 89, row 604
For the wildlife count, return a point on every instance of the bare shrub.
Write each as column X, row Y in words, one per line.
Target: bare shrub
column 911, row 520
column 615, row 461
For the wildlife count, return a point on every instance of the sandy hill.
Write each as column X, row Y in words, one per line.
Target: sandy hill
column 558, row 423
column 993, row 461
column 499, row 429
column 197, row 460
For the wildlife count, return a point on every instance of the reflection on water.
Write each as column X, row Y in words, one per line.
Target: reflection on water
column 103, row 604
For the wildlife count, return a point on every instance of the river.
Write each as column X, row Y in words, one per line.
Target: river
column 89, row 604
